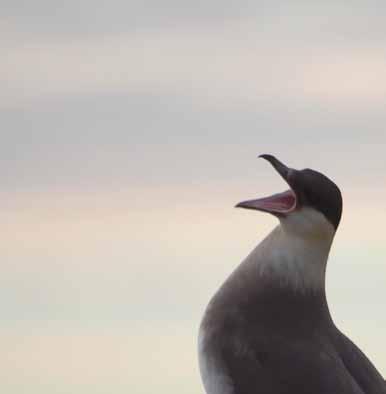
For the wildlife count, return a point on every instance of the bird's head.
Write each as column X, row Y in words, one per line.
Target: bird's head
column 312, row 205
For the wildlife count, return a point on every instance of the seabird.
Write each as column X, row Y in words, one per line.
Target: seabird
column 268, row 329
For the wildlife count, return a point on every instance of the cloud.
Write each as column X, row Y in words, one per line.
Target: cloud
column 112, row 142
column 214, row 66
column 324, row 21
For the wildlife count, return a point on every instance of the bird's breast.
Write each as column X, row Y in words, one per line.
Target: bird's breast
column 213, row 372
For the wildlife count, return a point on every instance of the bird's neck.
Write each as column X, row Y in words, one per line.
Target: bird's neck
column 287, row 259
column 283, row 279
column 284, row 276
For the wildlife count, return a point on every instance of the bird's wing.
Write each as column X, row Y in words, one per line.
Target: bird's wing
column 247, row 374
column 286, row 368
column 359, row 366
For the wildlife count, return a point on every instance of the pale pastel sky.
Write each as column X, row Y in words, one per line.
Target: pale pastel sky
column 129, row 132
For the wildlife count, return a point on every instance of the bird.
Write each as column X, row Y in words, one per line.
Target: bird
column 268, row 329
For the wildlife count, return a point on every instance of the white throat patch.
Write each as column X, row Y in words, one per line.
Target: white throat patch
column 295, row 253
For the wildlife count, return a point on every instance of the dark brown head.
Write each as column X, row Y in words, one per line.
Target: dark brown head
column 309, row 189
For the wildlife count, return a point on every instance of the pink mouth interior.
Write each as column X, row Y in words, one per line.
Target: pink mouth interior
column 278, row 203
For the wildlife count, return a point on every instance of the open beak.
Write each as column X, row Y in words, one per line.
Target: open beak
column 277, row 204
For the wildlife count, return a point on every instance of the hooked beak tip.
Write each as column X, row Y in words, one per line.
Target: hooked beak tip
column 266, row 156
column 272, row 159
column 282, row 169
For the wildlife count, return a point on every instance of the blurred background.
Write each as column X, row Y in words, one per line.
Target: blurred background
column 129, row 131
